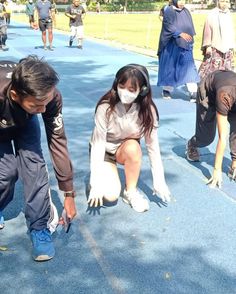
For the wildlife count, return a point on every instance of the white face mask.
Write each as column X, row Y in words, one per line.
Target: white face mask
column 127, row 97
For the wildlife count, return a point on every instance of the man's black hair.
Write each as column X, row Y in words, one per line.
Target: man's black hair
column 33, row 77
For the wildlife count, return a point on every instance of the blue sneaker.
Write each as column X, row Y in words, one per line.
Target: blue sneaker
column 2, row 224
column 43, row 248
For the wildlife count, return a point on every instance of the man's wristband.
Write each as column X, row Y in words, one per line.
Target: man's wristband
column 71, row 194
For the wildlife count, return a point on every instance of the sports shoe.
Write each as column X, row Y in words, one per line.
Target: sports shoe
column 70, row 42
column 2, row 224
column 136, row 200
column 50, row 48
column 4, row 48
column 43, row 248
column 232, row 174
column 193, row 97
column 192, row 153
column 80, row 47
column 166, row 94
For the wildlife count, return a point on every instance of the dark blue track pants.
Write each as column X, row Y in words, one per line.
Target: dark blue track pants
column 22, row 157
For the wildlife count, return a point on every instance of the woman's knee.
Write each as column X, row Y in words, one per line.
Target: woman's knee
column 112, row 188
column 132, row 150
column 112, row 194
column 111, row 182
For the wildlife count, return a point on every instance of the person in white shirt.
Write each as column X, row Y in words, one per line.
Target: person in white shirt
column 124, row 115
column 218, row 40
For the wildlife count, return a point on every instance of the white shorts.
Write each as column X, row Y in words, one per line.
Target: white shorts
column 77, row 31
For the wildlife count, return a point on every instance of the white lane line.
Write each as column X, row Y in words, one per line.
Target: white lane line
column 114, row 282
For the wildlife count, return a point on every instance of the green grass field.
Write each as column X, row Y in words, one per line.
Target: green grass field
column 140, row 30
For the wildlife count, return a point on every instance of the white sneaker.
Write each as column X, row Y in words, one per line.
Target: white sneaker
column 136, row 200
column 4, row 48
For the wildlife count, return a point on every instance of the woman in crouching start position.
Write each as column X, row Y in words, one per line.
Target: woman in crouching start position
column 124, row 115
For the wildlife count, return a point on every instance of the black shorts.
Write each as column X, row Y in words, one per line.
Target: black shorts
column 109, row 157
column 45, row 24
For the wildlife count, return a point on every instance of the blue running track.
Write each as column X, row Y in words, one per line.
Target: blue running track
column 185, row 247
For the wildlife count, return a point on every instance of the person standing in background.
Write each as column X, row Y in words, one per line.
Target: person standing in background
column 76, row 13
column 218, row 40
column 98, row 7
column 7, row 8
column 175, row 51
column 54, row 12
column 29, row 10
column 43, row 15
column 3, row 29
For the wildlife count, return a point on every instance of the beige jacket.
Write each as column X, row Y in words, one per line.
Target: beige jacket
column 219, row 31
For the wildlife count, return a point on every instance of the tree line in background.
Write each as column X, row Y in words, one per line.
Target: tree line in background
column 138, row 5
column 126, row 5
column 131, row 5
column 115, row 5
column 147, row 5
